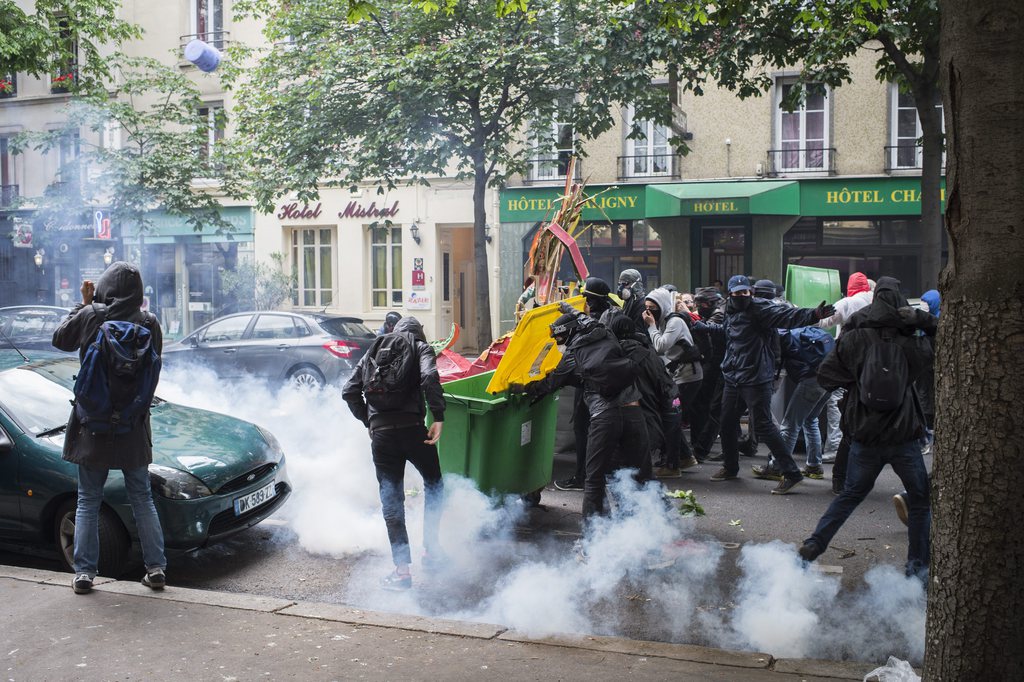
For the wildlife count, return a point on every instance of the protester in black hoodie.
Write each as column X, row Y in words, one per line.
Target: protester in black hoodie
column 119, row 294
column 880, row 437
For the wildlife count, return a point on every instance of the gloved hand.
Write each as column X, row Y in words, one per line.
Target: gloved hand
column 824, row 310
column 517, row 389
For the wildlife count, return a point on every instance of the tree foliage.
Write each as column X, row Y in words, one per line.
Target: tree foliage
column 59, row 32
column 258, row 285
column 143, row 146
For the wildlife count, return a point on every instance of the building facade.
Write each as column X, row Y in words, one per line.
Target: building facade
column 834, row 184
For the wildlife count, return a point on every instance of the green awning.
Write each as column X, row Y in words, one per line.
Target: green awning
column 753, row 197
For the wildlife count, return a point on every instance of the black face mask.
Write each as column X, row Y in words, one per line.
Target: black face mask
column 705, row 311
column 656, row 314
column 741, row 302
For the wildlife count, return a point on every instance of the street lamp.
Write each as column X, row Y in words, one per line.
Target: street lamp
column 108, row 255
column 38, row 258
column 414, row 230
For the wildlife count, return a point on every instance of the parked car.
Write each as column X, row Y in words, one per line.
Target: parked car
column 308, row 349
column 30, row 327
column 212, row 475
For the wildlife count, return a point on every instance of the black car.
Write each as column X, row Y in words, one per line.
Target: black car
column 30, row 327
column 308, row 349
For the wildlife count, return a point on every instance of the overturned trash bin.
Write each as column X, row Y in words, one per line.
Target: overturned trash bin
column 502, row 442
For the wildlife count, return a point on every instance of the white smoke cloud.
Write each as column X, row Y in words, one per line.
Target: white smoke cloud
column 643, row 556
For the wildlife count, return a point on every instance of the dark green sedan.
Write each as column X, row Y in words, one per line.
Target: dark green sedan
column 212, row 475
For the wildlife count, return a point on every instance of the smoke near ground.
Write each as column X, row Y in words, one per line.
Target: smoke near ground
column 642, row 562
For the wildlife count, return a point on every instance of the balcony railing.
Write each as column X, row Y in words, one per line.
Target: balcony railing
column 803, row 160
column 900, row 157
column 649, row 166
column 8, row 195
column 218, row 39
column 551, row 169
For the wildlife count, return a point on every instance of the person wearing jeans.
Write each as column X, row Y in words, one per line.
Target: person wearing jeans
column 866, row 463
column 87, row 531
column 116, row 296
column 802, row 413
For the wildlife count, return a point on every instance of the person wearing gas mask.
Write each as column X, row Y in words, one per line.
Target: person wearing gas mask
column 749, row 371
column 670, row 336
column 631, row 291
column 593, row 360
column 598, row 304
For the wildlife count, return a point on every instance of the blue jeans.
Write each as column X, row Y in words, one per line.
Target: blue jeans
column 802, row 414
column 87, row 515
column 835, row 432
column 864, row 466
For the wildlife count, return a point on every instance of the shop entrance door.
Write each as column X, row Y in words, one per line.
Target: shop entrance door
column 722, row 252
column 457, row 291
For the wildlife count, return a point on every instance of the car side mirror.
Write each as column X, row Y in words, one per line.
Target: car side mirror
column 6, row 444
column 194, row 341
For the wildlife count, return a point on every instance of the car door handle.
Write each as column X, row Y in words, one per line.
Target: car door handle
column 230, row 350
column 282, row 346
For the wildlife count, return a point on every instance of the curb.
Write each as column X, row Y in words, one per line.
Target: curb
column 382, row 619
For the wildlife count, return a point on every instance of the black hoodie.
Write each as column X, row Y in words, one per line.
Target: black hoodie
column 841, row 368
column 119, row 290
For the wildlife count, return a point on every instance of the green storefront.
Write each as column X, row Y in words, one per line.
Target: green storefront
column 694, row 233
column 182, row 268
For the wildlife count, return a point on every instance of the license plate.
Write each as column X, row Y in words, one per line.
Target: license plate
column 254, row 499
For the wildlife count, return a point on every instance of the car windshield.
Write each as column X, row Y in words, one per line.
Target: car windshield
column 349, row 328
column 33, row 400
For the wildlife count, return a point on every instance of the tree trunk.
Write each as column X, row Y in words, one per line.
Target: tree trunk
column 484, row 335
column 976, row 595
column 931, row 186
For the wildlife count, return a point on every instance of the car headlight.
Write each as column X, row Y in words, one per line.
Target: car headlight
column 272, row 443
column 175, row 484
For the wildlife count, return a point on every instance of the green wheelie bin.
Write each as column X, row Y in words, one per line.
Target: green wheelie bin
column 503, row 443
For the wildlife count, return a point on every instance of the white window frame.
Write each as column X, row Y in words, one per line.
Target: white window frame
column 321, row 285
column 895, row 140
column 650, row 157
column 802, row 166
column 214, row 35
column 542, row 149
column 393, row 295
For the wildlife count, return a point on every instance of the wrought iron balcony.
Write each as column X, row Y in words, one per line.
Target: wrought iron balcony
column 803, row 160
column 553, row 169
column 649, row 166
column 217, row 39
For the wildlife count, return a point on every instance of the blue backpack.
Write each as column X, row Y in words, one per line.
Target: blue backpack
column 814, row 344
column 117, row 381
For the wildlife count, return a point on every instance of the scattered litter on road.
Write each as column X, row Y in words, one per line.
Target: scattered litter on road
column 735, row 522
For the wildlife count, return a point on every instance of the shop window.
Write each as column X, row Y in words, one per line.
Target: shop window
column 651, row 156
column 386, row 266
column 904, row 150
column 312, row 266
column 645, row 238
column 802, row 135
column 850, row 232
column 803, row 233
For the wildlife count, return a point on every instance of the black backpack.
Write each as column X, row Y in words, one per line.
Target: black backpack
column 691, row 352
column 605, row 368
column 391, row 369
column 885, row 374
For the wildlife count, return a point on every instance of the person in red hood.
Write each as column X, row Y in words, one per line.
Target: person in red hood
column 858, row 295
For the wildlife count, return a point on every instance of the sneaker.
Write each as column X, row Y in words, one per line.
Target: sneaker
column 767, row 472
column 689, row 463
column 571, row 483
column 395, row 582
column 82, row 584
column 666, row 472
column 809, row 551
column 435, row 561
column 900, row 502
column 723, row 474
column 155, row 579
column 837, row 486
column 815, row 472
column 786, row 486
column 828, row 457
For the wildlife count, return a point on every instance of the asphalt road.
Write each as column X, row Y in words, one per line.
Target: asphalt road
column 269, row 560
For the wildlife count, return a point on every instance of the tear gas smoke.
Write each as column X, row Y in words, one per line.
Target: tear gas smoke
column 643, row 555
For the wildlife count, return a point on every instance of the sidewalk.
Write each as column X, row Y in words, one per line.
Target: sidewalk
column 123, row 631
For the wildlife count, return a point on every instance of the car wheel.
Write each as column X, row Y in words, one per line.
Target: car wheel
column 115, row 545
column 307, row 377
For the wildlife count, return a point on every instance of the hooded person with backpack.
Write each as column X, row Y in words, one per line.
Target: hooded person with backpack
column 119, row 347
column 593, row 360
column 877, row 360
column 670, row 337
column 386, row 392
